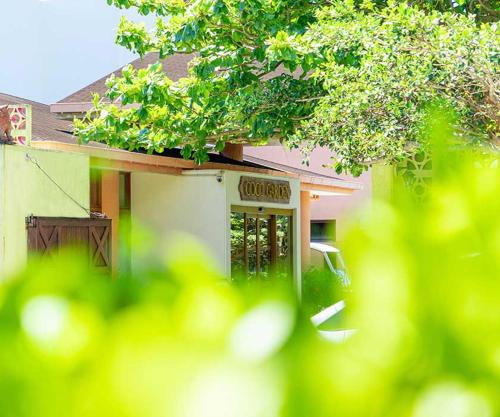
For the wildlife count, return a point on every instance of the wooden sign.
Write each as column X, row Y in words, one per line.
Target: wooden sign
column 265, row 190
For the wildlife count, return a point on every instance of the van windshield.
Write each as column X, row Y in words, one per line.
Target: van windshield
column 338, row 267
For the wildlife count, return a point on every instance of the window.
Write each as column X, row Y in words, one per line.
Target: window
column 323, row 231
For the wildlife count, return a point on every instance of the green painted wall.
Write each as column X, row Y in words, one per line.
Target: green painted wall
column 25, row 191
column 2, row 207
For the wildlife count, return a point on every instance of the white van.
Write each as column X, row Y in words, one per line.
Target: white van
column 326, row 322
column 329, row 257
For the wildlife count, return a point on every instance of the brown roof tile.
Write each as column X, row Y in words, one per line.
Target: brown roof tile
column 45, row 125
column 175, row 66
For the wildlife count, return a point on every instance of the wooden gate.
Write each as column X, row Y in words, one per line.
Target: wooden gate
column 46, row 235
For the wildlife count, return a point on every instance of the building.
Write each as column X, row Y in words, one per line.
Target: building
column 54, row 191
column 330, row 214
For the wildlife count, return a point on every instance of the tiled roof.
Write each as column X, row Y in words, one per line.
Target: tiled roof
column 175, row 66
column 45, row 125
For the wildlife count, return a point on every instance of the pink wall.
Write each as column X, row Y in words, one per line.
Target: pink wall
column 340, row 208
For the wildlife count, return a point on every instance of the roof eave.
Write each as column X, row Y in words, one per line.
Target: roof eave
column 119, row 159
column 70, row 110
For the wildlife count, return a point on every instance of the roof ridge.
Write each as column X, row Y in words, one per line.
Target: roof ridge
column 105, row 77
column 22, row 100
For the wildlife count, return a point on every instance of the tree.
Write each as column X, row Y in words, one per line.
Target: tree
column 353, row 76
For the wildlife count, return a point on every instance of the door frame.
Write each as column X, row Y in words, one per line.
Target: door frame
column 260, row 213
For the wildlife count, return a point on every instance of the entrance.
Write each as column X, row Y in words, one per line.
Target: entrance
column 261, row 243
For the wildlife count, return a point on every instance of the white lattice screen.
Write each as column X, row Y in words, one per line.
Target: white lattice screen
column 416, row 173
column 20, row 117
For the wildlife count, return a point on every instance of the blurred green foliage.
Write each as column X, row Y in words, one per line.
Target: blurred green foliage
column 320, row 289
column 180, row 341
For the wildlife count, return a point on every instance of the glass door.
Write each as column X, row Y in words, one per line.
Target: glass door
column 261, row 243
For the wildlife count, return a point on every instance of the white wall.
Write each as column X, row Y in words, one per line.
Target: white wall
column 194, row 204
column 199, row 204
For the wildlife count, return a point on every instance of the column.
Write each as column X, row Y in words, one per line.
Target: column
column 305, row 229
column 111, row 207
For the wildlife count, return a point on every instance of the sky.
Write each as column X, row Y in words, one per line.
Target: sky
column 52, row 48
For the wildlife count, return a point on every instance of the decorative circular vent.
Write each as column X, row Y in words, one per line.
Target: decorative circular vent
column 416, row 173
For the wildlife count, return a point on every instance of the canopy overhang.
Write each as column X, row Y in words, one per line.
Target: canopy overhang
column 121, row 160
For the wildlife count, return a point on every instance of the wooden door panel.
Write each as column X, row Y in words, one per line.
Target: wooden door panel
column 46, row 235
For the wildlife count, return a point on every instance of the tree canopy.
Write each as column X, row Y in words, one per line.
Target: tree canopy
column 356, row 77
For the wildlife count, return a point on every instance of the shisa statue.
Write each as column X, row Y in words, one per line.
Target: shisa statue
column 5, row 126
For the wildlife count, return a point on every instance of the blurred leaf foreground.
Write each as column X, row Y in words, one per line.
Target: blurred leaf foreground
column 180, row 341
